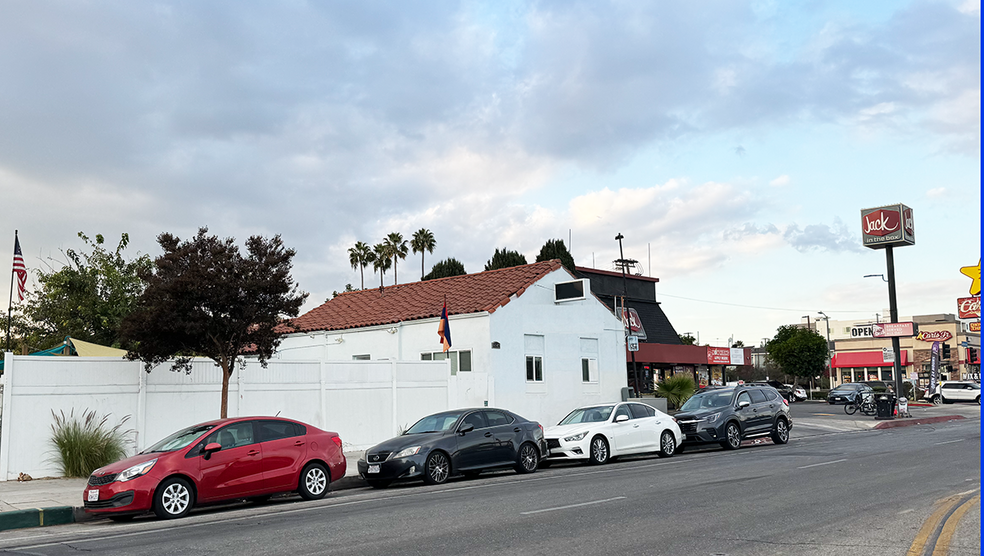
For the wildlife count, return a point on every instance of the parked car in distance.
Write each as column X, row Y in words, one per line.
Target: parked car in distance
column 879, row 385
column 597, row 433
column 800, row 393
column 242, row 458
column 847, row 392
column 785, row 390
column 460, row 441
column 729, row 415
column 956, row 391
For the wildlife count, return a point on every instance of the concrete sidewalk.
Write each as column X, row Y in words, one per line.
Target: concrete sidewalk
column 56, row 501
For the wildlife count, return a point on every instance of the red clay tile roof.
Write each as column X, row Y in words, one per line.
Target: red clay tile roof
column 471, row 293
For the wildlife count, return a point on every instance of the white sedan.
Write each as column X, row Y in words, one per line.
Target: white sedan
column 598, row 433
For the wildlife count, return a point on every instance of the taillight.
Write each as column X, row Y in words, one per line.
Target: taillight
column 337, row 440
column 785, row 401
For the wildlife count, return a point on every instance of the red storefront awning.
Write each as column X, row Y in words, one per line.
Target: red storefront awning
column 864, row 359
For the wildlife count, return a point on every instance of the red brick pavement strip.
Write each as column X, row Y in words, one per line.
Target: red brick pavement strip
column 922, row 421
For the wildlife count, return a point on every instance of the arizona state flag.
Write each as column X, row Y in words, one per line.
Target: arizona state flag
column 444, row 328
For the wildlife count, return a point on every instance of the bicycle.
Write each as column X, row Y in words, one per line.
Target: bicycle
column 867, row 405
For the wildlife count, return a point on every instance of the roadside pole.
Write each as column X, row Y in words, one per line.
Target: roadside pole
column 894, row 316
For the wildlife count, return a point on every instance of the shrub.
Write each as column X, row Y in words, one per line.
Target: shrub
column 85, row 444
column 677, row 389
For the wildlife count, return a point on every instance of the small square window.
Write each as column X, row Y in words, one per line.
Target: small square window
column 362, row 357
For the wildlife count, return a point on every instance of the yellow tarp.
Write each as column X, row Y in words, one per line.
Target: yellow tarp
column 86, row 349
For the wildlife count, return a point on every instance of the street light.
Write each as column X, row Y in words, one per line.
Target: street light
column 830, row 369
column 882, row 276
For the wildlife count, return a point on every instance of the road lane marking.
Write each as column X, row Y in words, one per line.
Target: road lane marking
column 573, row 505
column 946, row 535
column 949, row 442
column 930, row 532
column 824, row 463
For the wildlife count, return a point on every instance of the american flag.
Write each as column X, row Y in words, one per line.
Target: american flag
column 19, row 269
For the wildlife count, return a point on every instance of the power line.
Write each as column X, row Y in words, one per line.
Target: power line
column 754, row 306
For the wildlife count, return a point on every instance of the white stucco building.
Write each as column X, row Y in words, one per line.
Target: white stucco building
column 531, row 339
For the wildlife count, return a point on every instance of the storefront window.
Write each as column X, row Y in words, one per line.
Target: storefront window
column 887, row 374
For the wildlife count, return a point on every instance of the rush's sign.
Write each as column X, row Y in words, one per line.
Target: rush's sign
column 968, row 308
column 890, row 225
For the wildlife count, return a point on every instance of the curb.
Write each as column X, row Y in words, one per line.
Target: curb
column 37, row 517
column 910, row 422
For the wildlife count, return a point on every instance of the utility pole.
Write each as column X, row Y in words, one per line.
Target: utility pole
column 625, row 311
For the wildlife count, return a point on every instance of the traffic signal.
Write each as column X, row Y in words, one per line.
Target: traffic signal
column 971, row 355
column 945, row 354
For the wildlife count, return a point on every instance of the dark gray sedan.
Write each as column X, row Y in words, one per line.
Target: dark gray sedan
column 460, row 441
column 847, row 393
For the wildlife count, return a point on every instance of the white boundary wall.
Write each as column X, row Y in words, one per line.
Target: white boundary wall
column 365, row 402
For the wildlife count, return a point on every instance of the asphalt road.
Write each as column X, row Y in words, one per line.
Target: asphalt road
column 841, row 493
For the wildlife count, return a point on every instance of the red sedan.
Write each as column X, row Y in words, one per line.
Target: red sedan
column 226, row 459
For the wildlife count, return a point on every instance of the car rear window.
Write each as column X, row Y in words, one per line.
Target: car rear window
column 758, row 396
column 639, row 411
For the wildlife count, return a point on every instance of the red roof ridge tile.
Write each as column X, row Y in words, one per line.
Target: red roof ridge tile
column 469, row 293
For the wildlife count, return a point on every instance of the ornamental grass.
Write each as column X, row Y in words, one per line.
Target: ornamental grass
column 84, row 444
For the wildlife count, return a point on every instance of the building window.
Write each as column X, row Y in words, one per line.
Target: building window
column 460, row 360
column 589, row 370
column 362, row 357
column 534, row 368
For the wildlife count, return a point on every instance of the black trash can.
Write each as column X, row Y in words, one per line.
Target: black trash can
column 885, row 405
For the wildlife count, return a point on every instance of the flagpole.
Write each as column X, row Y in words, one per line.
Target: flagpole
column 10, row 302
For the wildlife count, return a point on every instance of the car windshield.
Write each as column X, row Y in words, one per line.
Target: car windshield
column 179, row 439
column 707, row 400
column 845, row 387
column 439, row 422
column 598, row 414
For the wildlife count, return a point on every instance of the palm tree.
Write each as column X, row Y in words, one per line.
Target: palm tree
column 381, row 261
column 359, row 257
column 396, row 248
column 423, row 240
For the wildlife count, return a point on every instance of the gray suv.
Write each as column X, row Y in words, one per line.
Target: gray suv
column 731, row 414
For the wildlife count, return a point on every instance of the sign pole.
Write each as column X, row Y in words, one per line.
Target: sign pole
column 894, row 315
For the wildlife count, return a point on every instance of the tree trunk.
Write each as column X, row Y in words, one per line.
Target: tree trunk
column 395, row 277
column 362, row 277
column 421, row 266
column 224, row 412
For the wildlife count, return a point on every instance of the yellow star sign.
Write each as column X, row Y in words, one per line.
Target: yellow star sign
column 974, row 272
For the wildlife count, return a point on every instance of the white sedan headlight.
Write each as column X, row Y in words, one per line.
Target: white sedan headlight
column 576, row 437
column 136, row 471
column 406, row 452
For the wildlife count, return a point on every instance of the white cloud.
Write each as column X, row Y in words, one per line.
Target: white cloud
column 781, row 181
column 936, row 192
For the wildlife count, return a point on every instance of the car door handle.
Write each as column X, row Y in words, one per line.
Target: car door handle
column 253, row 453
column 299, row 443
column 635, row 426
column 488, row 435
column 517, row 429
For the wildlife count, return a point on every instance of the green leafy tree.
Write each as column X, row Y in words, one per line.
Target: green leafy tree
column 382, row 261
column 555, row 249
column 447, row 267
column 423, row 240
column 361, row 256
column 396, row 248
column 505, row 259
column 687, row 340
column 798, row 351
column 207, row 299
column 87, row 298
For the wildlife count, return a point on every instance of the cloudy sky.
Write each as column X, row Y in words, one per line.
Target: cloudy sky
column 733, row 144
